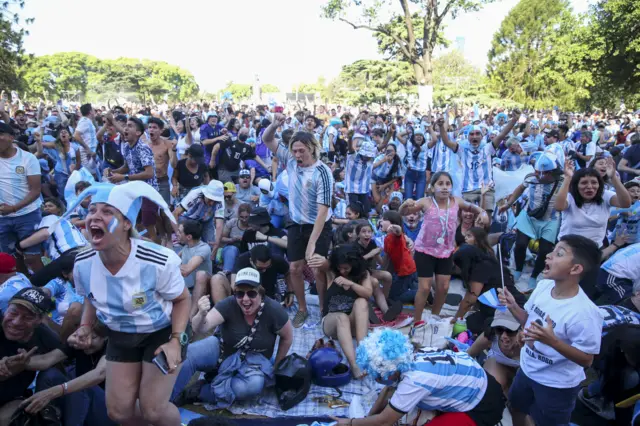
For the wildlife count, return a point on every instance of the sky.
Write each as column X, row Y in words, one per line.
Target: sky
column 285, row 42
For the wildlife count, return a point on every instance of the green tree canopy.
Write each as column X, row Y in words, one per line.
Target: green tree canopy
column 12, row 31
column 537, row 56
column 406, row 30
column 70, row 74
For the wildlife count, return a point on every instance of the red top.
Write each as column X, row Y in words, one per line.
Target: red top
column 396, row 248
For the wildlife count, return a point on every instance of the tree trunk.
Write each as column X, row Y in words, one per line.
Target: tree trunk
column 424, row 77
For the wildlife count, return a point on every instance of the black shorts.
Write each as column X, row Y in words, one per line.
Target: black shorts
column 489, row 410
column 137, row 347
column 298, row 238
column 427, row 265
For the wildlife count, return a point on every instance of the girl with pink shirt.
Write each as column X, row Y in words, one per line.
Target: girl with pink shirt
column 435, row 243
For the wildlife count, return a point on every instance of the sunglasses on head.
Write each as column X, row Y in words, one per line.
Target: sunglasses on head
column 500, row 330
column 252, row 294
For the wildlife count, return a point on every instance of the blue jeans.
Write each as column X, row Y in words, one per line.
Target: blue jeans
column 203, row 356
column 414, row 180
column 61, row 182
column 229, row 256
column 14, row 229
column 404, row 288
column 78, row 408
column 546, row 405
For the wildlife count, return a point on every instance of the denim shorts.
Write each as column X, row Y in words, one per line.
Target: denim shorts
column 14, row 229
column 546, row 405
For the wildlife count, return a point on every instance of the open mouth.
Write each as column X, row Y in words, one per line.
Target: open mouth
column 97, row 233
column 546, row 268
column 246, row 305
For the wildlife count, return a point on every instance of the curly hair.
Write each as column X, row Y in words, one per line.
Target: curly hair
column 349, row 254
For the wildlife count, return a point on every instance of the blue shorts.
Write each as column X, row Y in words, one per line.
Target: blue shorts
column 546, row 405
column 15, row 229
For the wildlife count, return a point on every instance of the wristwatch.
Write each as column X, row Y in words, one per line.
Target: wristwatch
column 126, row 178
column 183, row 338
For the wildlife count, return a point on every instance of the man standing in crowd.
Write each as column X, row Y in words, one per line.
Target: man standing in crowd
column 163, row 152
column 310, row 192
column 85, row 135
column 139, row 165
column 20, row 199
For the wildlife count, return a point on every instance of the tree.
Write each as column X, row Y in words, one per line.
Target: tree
column 238, row 91
column 537, row 57
column 411, row 33
column 269, row 88
column 370, row 81
column 613, row 37
column 12, row 31
column 73, row 74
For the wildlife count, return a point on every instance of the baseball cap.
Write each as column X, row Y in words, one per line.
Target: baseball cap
column 248, row 276
column 259, row 216
column 5, row 128
column 214, row 191
column 44, row 166
column 553, row 133
column 546, row 162
column 396, row 194
column 229, row 187
column 7, row 263
column 32, row 298
column 196, row 152
column 505, row 319
column 245, row 172
column 265, row 185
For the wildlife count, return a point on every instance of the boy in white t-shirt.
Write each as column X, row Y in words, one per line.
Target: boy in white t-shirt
column 562, row 332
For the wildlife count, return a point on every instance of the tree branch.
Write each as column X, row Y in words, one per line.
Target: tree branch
column 401, row 43
column 407, row 19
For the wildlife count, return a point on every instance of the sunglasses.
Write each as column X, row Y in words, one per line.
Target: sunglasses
column 252, row 294
column 389, row 152
column 500, row 330
column 228, row 197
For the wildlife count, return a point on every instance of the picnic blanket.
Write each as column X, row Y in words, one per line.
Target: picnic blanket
column 303, row 339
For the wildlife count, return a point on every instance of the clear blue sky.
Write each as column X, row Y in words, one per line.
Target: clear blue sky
column 286, row 42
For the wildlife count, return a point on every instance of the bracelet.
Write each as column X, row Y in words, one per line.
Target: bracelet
column 615, row 245
column 86, row 325
column 65, row 388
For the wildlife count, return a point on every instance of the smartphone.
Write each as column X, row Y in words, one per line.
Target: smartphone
column 160, row 361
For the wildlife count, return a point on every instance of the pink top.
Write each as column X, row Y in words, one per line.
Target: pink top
column 432, row 230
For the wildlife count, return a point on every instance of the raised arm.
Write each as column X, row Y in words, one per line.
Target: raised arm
column 268, row 137
column 515, row 115
column 444, row 126
column 561, row 198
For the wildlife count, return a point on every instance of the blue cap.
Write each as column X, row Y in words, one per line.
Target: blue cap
column 44, row 166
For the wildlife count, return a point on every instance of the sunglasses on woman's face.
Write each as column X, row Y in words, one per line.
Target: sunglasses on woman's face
column 500, row 330
column 252, row 294
column 389, row 152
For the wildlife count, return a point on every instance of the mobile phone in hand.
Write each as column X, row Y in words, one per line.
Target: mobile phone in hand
column 161, row 362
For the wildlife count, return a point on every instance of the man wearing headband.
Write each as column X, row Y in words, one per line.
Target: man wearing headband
column 136, row 289
column 444, row 381
column 477, row 171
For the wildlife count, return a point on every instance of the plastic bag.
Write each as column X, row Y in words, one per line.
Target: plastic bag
column 432, row 334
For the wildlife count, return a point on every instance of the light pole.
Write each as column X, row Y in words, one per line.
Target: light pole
column 389, row 79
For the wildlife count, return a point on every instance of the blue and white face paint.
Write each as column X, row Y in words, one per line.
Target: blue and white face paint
column 113, row 225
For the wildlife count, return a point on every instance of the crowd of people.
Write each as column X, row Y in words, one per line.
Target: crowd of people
column 141, row 245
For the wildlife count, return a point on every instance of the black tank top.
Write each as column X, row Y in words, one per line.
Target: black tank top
column 338, row 299
column 188, row 179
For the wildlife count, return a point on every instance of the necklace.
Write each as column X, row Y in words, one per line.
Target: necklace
column 440, row 239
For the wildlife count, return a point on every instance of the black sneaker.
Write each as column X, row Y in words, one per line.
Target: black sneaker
column 190, row 394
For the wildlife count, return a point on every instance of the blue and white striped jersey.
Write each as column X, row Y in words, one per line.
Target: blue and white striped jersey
column 357, row 174
column 13, row 181
column 10, row 287
column 441, row 381
column 418, row 161
column 556, row 149
column 383, row 170
column 330, row 135
column 196, row 208
column 532, row 143
column 137, row 299
column 308, row 187
column 441, row 159
column 476, row 165
column 65, row 295
column 64, row 236
column 510, row 161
